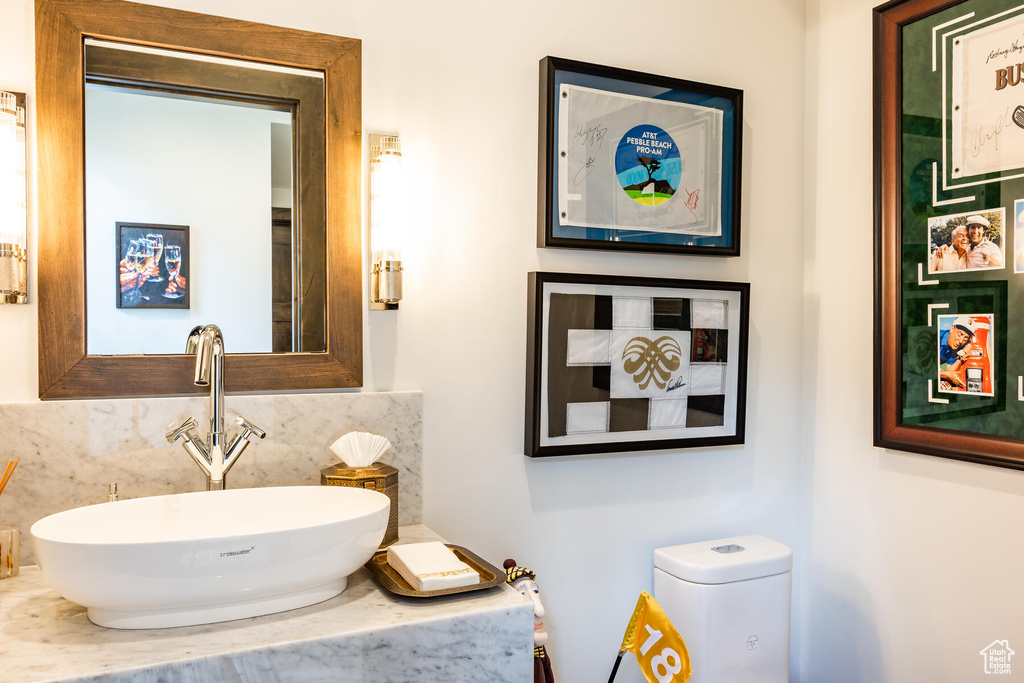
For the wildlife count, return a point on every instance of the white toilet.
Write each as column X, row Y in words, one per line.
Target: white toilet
column 729, row 599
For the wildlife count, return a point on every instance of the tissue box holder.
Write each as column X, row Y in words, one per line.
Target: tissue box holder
column 379, row 477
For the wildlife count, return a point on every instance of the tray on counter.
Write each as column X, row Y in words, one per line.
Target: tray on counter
column 490, row 576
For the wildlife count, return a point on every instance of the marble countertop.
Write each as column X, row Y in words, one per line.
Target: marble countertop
column 47, row 638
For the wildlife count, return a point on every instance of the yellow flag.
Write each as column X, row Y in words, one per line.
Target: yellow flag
column 659, row 649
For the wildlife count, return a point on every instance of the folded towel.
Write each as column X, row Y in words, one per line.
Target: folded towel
column 430, row 566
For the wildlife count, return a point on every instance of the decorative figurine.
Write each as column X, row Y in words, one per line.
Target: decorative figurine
column 524, row 581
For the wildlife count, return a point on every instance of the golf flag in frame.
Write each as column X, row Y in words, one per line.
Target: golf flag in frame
column 660, row 651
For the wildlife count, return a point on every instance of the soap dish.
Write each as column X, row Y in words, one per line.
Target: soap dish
column 490, row 576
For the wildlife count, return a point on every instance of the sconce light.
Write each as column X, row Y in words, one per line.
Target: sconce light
column 13, row 224
column 386, row 222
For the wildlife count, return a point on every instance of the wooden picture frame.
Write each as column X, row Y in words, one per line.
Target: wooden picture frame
column 949, row 345
column 618, row 364
column 66, row 368
column 637, row 162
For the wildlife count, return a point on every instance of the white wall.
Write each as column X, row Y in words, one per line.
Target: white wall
column 913, row 563
column 458, row 80
column 169, row 161
column 463, row 93
column 18, row 323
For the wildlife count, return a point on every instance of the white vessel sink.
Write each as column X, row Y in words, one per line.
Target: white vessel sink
column 199, row 558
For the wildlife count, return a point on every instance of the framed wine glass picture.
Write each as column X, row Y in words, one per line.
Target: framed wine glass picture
column 152, row 265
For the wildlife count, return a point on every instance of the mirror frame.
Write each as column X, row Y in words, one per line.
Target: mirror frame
column 65, row 369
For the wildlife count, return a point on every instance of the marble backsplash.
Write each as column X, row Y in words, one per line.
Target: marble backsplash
column 71, row 450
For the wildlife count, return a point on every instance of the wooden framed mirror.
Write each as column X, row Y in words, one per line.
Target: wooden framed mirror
column 327, row 201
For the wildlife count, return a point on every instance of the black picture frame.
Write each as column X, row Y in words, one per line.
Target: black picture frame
column 156, row 286
column 587, row 363
column 681, row 220
column 932, row 177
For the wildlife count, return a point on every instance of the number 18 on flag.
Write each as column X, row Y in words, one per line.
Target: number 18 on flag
column 659, row 649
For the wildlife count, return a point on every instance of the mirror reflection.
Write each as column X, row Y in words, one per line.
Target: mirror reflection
column 190, row 192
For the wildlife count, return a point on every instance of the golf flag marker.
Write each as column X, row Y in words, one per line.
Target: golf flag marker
column 660, row 651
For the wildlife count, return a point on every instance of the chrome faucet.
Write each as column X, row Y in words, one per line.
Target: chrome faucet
column 207, row 344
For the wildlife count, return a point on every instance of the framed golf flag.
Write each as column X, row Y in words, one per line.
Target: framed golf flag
column 623, row 364
column 638, row 162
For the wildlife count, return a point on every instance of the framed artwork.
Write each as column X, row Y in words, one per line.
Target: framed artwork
column 637, row 162
column 949, row 199
column 152, row 265
column 618, row 364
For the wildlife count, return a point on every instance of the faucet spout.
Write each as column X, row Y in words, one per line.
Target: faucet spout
column 209, row 350
column 208, row 345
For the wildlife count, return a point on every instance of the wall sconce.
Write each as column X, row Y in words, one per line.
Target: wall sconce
column 386, row 223
column 13, row 223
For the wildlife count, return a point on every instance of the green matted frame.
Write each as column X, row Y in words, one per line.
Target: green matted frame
column 947, row 148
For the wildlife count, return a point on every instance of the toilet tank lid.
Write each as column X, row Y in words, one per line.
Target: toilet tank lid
column 702, row 563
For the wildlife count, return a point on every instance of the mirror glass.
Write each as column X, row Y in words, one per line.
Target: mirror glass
column 190, row 193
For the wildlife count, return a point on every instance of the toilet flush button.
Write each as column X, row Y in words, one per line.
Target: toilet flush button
column 731, row 548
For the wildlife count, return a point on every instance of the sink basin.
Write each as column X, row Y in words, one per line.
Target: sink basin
column 199, row 558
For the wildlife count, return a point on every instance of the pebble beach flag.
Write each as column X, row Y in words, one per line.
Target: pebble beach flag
column 659, row 649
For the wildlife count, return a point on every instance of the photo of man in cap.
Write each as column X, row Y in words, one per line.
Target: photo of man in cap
column 963, row 342
column 953, row 345
column 983, row 253
column 966, row 241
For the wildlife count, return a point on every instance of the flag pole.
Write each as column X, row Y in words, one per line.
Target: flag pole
column 615, row 669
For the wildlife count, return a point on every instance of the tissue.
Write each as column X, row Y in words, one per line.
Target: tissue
column 360, row 449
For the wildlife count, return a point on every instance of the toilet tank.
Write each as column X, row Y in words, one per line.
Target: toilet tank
column 730, row 601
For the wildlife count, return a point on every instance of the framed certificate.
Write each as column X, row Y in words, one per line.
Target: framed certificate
column 637, row 162
column 949, row 220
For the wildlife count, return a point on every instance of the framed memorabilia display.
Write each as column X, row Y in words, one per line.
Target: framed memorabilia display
column 618, row 364
column 637, row 162
column 949, row 229
column 152, row 265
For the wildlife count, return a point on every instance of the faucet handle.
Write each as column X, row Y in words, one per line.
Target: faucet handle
column 249, row 428
column 175, row 434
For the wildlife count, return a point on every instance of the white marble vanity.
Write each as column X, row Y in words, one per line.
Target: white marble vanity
column 70, row 449
column 364, row 634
